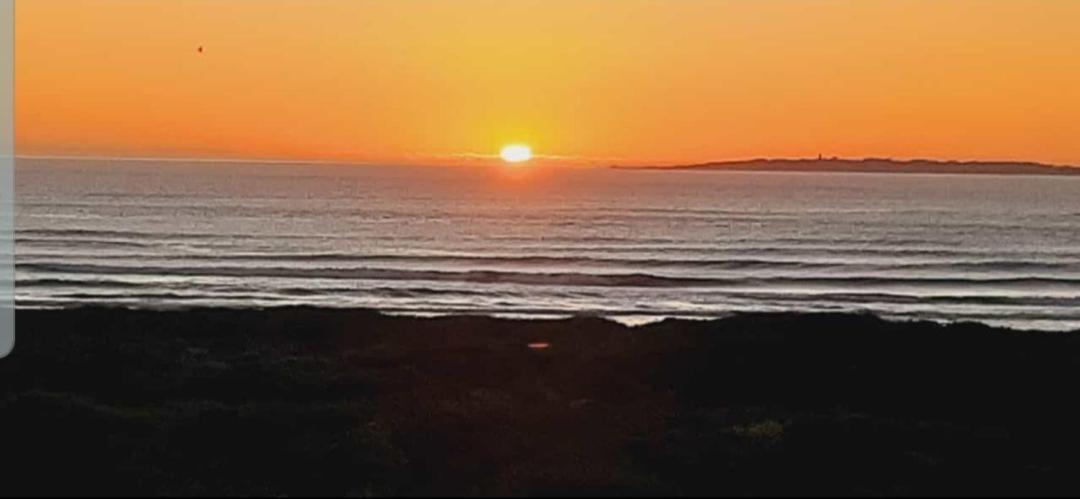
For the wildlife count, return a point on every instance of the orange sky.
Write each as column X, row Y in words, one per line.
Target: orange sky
column 583, row 81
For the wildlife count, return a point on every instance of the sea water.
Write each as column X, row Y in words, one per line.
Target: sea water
column 533, row 241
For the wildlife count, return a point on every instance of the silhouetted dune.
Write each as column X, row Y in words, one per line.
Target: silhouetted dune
column 320, row 401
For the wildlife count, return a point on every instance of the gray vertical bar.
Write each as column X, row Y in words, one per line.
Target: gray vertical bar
column 7, row 176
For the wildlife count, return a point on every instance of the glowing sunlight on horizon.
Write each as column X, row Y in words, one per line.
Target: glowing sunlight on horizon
column 516, row 153
column 643, row 81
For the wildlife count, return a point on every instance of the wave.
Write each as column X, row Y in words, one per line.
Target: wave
column 99, row 288
column 1022, row 320
column 1031, row 319
column 1030, row 300
column 576, row 242
column 85, row 242
column 80, row 283
column 739, row 266
column 112, row 235
column 550, row 278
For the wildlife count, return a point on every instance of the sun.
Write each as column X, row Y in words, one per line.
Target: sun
column 516, row 153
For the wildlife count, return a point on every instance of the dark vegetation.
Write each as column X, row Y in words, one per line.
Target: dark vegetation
column 311, row 401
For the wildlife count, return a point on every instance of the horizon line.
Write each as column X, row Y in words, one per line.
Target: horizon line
column 347, row 162
column 328, row 162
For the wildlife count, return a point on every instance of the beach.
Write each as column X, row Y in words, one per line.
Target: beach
column 303, row 400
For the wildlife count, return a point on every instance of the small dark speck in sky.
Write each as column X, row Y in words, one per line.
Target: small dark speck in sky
column 200, row 49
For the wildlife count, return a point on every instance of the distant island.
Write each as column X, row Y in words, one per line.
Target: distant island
column 873, row 165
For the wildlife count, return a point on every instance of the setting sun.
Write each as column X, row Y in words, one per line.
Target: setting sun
column 516, row 153
column 517, row 247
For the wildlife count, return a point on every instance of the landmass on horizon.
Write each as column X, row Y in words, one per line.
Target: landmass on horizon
column 873, row 165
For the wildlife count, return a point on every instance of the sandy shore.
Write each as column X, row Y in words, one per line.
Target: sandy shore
column 351, row 402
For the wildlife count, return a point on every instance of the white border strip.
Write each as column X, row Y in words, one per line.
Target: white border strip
column 7, row 176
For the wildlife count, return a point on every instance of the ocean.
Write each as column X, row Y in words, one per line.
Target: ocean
column 633, row 246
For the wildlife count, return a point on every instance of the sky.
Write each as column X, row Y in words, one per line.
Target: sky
column 584, row 82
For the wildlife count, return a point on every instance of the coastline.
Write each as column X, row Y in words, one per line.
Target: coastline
column 349, row 401
column 870, row 165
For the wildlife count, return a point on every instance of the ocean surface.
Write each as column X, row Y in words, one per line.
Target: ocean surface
column 536, row 242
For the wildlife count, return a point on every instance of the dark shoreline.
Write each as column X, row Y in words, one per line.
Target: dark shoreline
column 352, row 402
